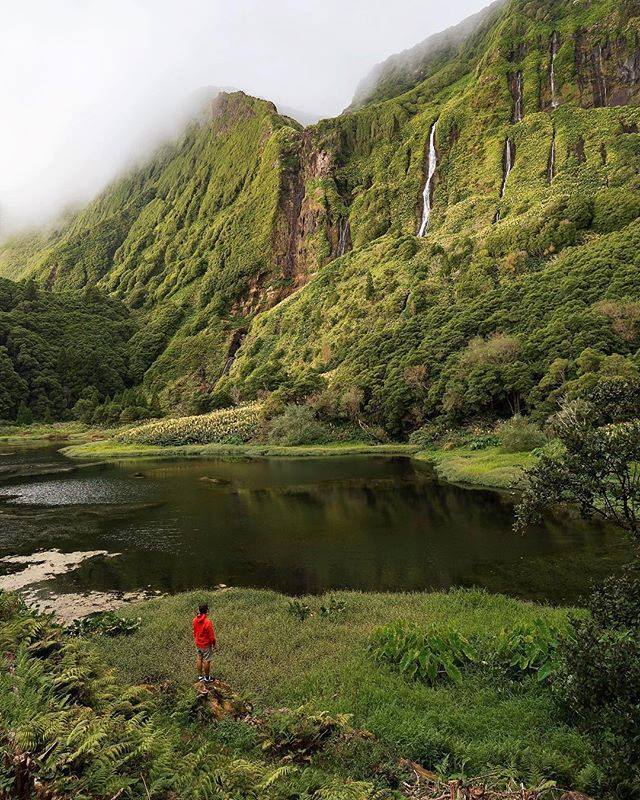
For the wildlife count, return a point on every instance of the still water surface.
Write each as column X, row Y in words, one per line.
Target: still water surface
column 298, row 526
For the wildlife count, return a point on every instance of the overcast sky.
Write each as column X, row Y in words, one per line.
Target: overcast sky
column 88, row 86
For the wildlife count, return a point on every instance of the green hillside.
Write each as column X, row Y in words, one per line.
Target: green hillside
column 53, row 346
column 257, row 256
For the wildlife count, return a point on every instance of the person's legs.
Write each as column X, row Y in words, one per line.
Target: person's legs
column 207, row 669
column 199, row 665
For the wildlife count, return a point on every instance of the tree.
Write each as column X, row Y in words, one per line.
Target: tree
column 370, row 288
column 13, row 388
column 24, row 415
column 597, row 466
column 597, row 469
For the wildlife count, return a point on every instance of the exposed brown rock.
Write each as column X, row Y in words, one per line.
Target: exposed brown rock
column 516, row 91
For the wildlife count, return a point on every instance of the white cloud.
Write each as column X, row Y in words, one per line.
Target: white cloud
column 90, row 85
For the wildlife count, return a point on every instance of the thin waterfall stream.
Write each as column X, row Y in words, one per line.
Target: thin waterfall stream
column 431, row 169
column 343, row 236
column 517, row 94
column 552, row 75
column 507, row 164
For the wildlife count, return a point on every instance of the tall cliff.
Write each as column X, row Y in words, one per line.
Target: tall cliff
column 266, row 257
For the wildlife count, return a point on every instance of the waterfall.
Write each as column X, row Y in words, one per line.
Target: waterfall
column 428, row 188
column 599, row 82
column 344, row 234
column 551, row 167
column 516, row 89
column 552, row 75
column 507, row 164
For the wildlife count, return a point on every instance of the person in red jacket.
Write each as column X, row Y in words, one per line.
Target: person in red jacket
column 205, row 639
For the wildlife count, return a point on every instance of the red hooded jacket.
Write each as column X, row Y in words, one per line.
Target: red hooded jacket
column 203, row 632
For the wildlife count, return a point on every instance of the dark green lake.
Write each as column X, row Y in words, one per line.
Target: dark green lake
column 298, row 526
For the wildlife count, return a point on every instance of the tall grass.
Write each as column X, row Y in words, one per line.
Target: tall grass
column 483, row 722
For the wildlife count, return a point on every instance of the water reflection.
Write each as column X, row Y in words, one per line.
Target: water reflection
column 294, row 525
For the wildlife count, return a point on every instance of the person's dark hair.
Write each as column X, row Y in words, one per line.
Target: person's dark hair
column 203, row 608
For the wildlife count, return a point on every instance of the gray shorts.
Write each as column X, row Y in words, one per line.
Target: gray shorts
column 205, row 654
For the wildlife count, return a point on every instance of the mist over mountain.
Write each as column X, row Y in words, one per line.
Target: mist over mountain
column 467, row 246
column 89, row 91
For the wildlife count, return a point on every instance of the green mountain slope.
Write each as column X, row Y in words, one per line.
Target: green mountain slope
column 54, row 346
column 262, row 257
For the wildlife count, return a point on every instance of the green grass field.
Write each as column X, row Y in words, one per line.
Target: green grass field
column 488, row 467
column 485, row 724
column 111, row 449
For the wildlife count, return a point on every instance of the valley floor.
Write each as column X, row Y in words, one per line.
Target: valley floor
column 486, row 724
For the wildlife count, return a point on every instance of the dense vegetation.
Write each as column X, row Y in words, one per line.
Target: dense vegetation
column 261, row 258
column 68, row 729
column 58, row 348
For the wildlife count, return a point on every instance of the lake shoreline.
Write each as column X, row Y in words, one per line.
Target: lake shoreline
column 481, row 469
column 489, row 468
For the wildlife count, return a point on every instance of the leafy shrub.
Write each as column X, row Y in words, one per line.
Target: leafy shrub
column 10, row 606
column 296, row 735
column 599, row 681
column 614, row 208
column 103, row 623
column 482, row 442
column 334, row 607
column 299, row 610
column 297, row 425
column 616, row 603
column 427, row 655
column 530, row 649
column 518, row 435
column 426, row 436
column 227, row 426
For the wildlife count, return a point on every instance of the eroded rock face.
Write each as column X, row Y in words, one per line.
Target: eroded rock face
column 607, row 74
column 309, row 234
column 516, row 90
column 308, row 231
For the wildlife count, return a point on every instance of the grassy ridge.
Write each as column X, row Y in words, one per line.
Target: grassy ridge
column 483, row 724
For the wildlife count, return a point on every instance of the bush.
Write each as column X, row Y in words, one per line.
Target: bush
column 103, row 623
column 426, row 436
column 484, row 441
column 599, row 680
column 518, row 435
column 299, row 610
column 530, row 649
column 297, row 425
column 616, row 604
column 296, row 735
column 426, row 655
column 227, row 426
column 335, row 607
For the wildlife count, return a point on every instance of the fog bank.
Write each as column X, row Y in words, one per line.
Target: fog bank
column 90, row 87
